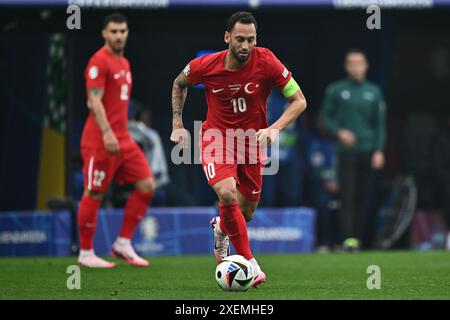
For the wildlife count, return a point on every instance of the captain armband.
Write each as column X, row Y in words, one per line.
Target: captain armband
column 290, row 88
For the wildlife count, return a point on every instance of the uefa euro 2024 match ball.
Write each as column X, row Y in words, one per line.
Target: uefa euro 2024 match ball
column 235, row 273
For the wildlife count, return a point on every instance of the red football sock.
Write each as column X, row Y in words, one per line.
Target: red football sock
column 135, row 208
column 87, row 221
column 232, row 222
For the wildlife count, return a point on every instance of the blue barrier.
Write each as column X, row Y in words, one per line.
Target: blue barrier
column 164, row 231
column 34, row 233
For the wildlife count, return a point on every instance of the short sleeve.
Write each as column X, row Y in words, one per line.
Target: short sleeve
column 278, row 74
column 194, row 71
column 95, row 74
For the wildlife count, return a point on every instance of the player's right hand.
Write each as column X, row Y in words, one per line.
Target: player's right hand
column 180, row 136
column 111, row 143
column 347, row 137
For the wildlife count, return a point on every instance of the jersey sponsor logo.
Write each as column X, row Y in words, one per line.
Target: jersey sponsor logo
column 256, row 191
column 247, row 88
column 234, row 87
column 217, row 90
column 93, row 72
column 187, row 70
column 285, row 72
column 121, row 73
column 345, row 94
column 368, row 96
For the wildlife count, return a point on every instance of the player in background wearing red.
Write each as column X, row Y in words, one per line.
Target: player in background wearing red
column 107, row 149
column 237, row 83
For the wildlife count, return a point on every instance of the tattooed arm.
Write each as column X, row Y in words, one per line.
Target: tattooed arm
column 95, row 105
column 179, row 93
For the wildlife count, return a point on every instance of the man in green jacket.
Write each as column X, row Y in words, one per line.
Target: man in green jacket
column 354, row 112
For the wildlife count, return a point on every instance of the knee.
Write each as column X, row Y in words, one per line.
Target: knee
column 227, row 195
column 146, row 185
column 94, row 195
column 248, row 213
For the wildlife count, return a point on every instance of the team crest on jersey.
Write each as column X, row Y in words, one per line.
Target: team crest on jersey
column 93, row 72
column 251, row 87
column 187, row 70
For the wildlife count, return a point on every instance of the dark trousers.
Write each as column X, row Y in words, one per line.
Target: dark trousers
column 355, row 178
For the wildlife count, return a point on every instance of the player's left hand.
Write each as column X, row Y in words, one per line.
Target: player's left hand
column 378, row 160
column 267, row 136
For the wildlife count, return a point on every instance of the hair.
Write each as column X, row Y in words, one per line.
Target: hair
column 241, row 17
column 114, row 17
column 355, row 50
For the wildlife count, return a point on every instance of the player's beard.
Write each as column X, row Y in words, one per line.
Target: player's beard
column 117, row 47
column 239, row 58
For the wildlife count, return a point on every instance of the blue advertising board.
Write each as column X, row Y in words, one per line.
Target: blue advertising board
column 163, row 231
column 35, row 233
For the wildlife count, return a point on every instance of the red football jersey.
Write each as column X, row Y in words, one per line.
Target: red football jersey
column 238, row 98
column 112, row 74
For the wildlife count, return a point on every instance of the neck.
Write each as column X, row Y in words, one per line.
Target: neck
column 358, row 80
column 115, row 53
column 232, row 63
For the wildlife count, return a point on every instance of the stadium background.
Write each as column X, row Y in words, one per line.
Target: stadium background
column 409, row 59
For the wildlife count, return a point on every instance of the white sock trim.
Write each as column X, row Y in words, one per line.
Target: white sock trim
column 121, row 240
column 86, row 253
column 255, row 265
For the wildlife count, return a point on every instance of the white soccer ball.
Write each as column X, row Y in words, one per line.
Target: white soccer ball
column 235, row 273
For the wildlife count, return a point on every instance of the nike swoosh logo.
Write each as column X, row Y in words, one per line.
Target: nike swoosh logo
column 256, row 192
column 216, row 90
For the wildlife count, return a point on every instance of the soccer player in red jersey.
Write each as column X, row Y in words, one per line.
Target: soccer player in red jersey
column 237, row 83
column 107, row 149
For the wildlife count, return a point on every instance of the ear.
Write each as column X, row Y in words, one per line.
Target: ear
column 104, row 33
column 227, row 37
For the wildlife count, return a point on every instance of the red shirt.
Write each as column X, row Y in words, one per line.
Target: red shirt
column 112, row 74
column 238, row 98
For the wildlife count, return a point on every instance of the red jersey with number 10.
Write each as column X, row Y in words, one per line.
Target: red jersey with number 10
column 112, row 74
column 237, row 98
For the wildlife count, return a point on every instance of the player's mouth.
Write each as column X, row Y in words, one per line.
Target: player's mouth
column 243, row 55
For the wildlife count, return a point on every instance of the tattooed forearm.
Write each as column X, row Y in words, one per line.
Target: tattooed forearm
column 98, row 111
column 96, row 92
column 179, row 93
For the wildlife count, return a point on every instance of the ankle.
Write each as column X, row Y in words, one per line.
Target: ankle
column 255, row 265
column 86, row 253
column 123, row 241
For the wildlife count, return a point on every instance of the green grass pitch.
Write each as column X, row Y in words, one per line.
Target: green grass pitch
column 404, row 275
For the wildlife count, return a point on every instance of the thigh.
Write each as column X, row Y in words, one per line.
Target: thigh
column 133, row 166
column 250, row 181
column 214, row 166
column 99, row 169
column 215, row 172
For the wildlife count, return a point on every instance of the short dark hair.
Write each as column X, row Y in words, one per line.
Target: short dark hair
column 114, row 17
column 355, row 50
column 241, row 17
